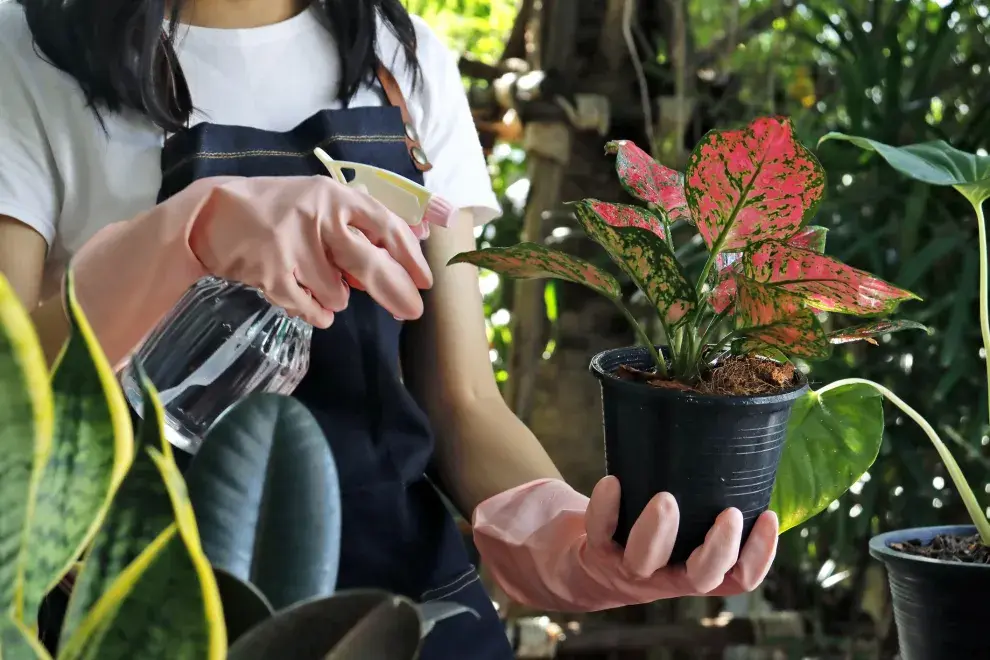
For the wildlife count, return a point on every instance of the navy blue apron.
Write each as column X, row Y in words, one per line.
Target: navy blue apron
column 397, row 533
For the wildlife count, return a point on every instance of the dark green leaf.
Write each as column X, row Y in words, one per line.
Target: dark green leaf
column 533, row 261
column 643, row 256
column 937, row 163
column 833, row 437
column 244, row 606
column 265, row 492
column 17, row 642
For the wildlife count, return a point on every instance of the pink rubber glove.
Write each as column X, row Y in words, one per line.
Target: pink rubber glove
column 294, row 238
column 550, row 547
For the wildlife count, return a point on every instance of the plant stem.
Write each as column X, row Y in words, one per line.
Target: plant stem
column 984, row 316
column 962, row 486
column 643, row 337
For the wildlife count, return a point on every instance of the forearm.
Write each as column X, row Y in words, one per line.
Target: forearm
column 483, row 449
column 52, row 327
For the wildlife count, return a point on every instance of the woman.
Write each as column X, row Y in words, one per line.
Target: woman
column 155, row 145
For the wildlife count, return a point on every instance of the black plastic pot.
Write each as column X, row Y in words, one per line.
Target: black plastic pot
column 938, row 605
column 709, row 452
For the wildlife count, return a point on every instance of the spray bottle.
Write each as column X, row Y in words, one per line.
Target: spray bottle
column 223, row 340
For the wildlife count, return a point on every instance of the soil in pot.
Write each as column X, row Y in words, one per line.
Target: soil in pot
column 938, row 576
column 712, row 446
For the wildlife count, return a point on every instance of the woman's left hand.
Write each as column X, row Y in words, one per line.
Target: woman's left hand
column 550, row 547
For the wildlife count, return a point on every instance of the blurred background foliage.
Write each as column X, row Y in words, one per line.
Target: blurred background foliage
column 897, row 71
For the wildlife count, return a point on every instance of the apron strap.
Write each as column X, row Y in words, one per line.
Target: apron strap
column 395, row 98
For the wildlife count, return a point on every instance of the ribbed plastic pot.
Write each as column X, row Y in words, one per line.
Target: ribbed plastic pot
column 938, row 605
column 710, row 452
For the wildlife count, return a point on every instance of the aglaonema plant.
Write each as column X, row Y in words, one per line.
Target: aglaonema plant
column 939, row 163
column 751, row 195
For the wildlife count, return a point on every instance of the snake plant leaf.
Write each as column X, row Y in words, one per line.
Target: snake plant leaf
column 166, row 603
column 643, row 255
column 17, row 642
column 936, row 163
column 767, row 315
column 244, row 606
column 92, row 449
column 534, row 261
column 26, row 423
column 833, row 437
column 265, row 491
column 867, row 331
column 140, row 512
column 750, row 185
column 825, row 283
column 350, row 625
column 649, row 181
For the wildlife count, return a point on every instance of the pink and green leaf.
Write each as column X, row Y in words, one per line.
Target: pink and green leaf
column 649, row 181
column 810, row 238
column 824, row 283
column 752, row 185
column 769, row 316
column 643, row 255
column 868, row 331
column 625, row 215
column 533, row 261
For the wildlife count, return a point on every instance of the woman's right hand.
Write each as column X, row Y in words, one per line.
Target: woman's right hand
column 296, row 238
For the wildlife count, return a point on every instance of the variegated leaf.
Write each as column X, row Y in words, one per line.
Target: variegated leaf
column 723, row 296
column 868, row 331
column 810, row 238
column 624, row 215
column 533, row 261
column 644, row 257
column 752, row 185
column 769, row 316
column 649, row 181
column 825, row 283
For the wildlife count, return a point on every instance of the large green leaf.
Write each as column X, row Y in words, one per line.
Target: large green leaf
column 140, row 512
column 18, row 642
column 26, row 414
column 165, row 604
column 533, row 261
column 641, row 253
column 244, row 606
column 833, row 437
column 351, row 625
column 937, row 163
column 265, row 492
column 93, row 447
column 750, row 185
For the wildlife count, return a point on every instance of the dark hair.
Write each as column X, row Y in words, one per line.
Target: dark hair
column 119, row 54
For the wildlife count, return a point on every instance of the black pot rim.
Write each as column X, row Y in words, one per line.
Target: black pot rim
column 642, row 389
column 880, row 546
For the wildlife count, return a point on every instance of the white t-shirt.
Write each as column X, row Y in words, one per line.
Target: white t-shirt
column 65, row 177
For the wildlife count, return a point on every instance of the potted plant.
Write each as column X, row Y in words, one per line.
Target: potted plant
column 938, row 574
column 170, row 572
column 705, row 416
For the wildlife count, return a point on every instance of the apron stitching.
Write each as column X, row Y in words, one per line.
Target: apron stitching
column 450, row 584
column 457, row 590
column 216, row 155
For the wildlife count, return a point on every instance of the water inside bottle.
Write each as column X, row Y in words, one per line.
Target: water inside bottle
column 221, row 342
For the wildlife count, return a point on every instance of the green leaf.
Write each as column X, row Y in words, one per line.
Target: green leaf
column 244, row 606
column 936, row 163
column 752, row 185
column 532, row 261
column 17, row 642
column 26, row 422
column 351, row 625
column 833, row 437
column 265, row 492
column 93, row 446
column 770, row 316
column 140, row 512
column 867, row 331
column 643, row 256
